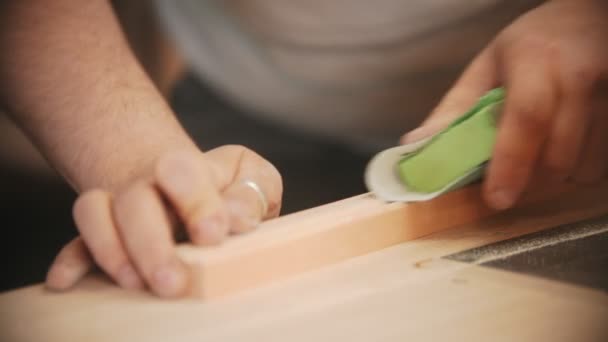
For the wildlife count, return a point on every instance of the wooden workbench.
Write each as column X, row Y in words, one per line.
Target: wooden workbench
column 405, row 292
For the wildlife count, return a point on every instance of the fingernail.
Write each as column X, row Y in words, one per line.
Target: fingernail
column 502, row 199
column 412, row 136
column 169, row 280
column 128, row 278
column 210, row 229
column 421, row 133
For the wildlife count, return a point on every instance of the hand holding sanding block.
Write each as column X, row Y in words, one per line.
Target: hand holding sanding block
column 450, row 159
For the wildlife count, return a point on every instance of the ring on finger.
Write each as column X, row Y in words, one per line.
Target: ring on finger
column 263, row 200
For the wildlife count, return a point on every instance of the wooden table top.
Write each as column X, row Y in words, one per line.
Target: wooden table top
column 408, row 291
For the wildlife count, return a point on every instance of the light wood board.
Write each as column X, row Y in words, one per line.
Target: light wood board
column 406, row 292
column 328, row 234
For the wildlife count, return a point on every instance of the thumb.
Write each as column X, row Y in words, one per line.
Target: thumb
column 479, row 77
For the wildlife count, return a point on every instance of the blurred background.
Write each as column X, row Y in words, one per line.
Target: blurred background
column 314, row 86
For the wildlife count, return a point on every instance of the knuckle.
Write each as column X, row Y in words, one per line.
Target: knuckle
column 108, row 259
column 270, row 171
column 163, row 164
column 581, row 75
column 533, row 117
column 536, row 46
column 537, row 43
column 87, row 202
column 204, row 200
column 558, row 165
column 135, row 190
column 179, row 162
column 511, row 160
column 170, row 157
column 164, row 169
column 263, row 170
column 183, row 176
column 127, row 203
column 234, row 149
column 193, row 210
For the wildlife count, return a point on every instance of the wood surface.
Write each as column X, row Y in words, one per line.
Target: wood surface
column 406, row 292
column 329, row 234
column 324, row 235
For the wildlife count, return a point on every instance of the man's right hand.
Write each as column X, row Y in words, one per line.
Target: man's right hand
column 129, row 234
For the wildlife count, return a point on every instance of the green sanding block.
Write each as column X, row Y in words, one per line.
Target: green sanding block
column 465, row 144
column 446, row 161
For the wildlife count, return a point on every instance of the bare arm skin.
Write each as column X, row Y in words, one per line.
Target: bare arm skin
column 69, row 78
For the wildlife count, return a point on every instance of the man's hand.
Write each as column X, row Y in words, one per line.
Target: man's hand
column 129, row 234
column 71, row 81
column 553, row 62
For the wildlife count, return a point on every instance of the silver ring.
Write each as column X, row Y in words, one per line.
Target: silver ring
column 263, row 200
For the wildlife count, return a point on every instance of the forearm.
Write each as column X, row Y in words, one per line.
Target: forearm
column 69, row 78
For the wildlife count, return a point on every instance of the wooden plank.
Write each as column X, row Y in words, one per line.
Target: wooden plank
column 406, row 292
column 332, row 233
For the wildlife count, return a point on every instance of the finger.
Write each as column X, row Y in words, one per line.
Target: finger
column 70, row 265
column 593, row 161
column 248, row 204
column 524, row 126
column 479, row 77
column 190, row 185
column 93, row 217
column 565, row 142
column 144, row 228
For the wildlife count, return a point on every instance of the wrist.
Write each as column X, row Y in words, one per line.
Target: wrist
column 120, row 156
